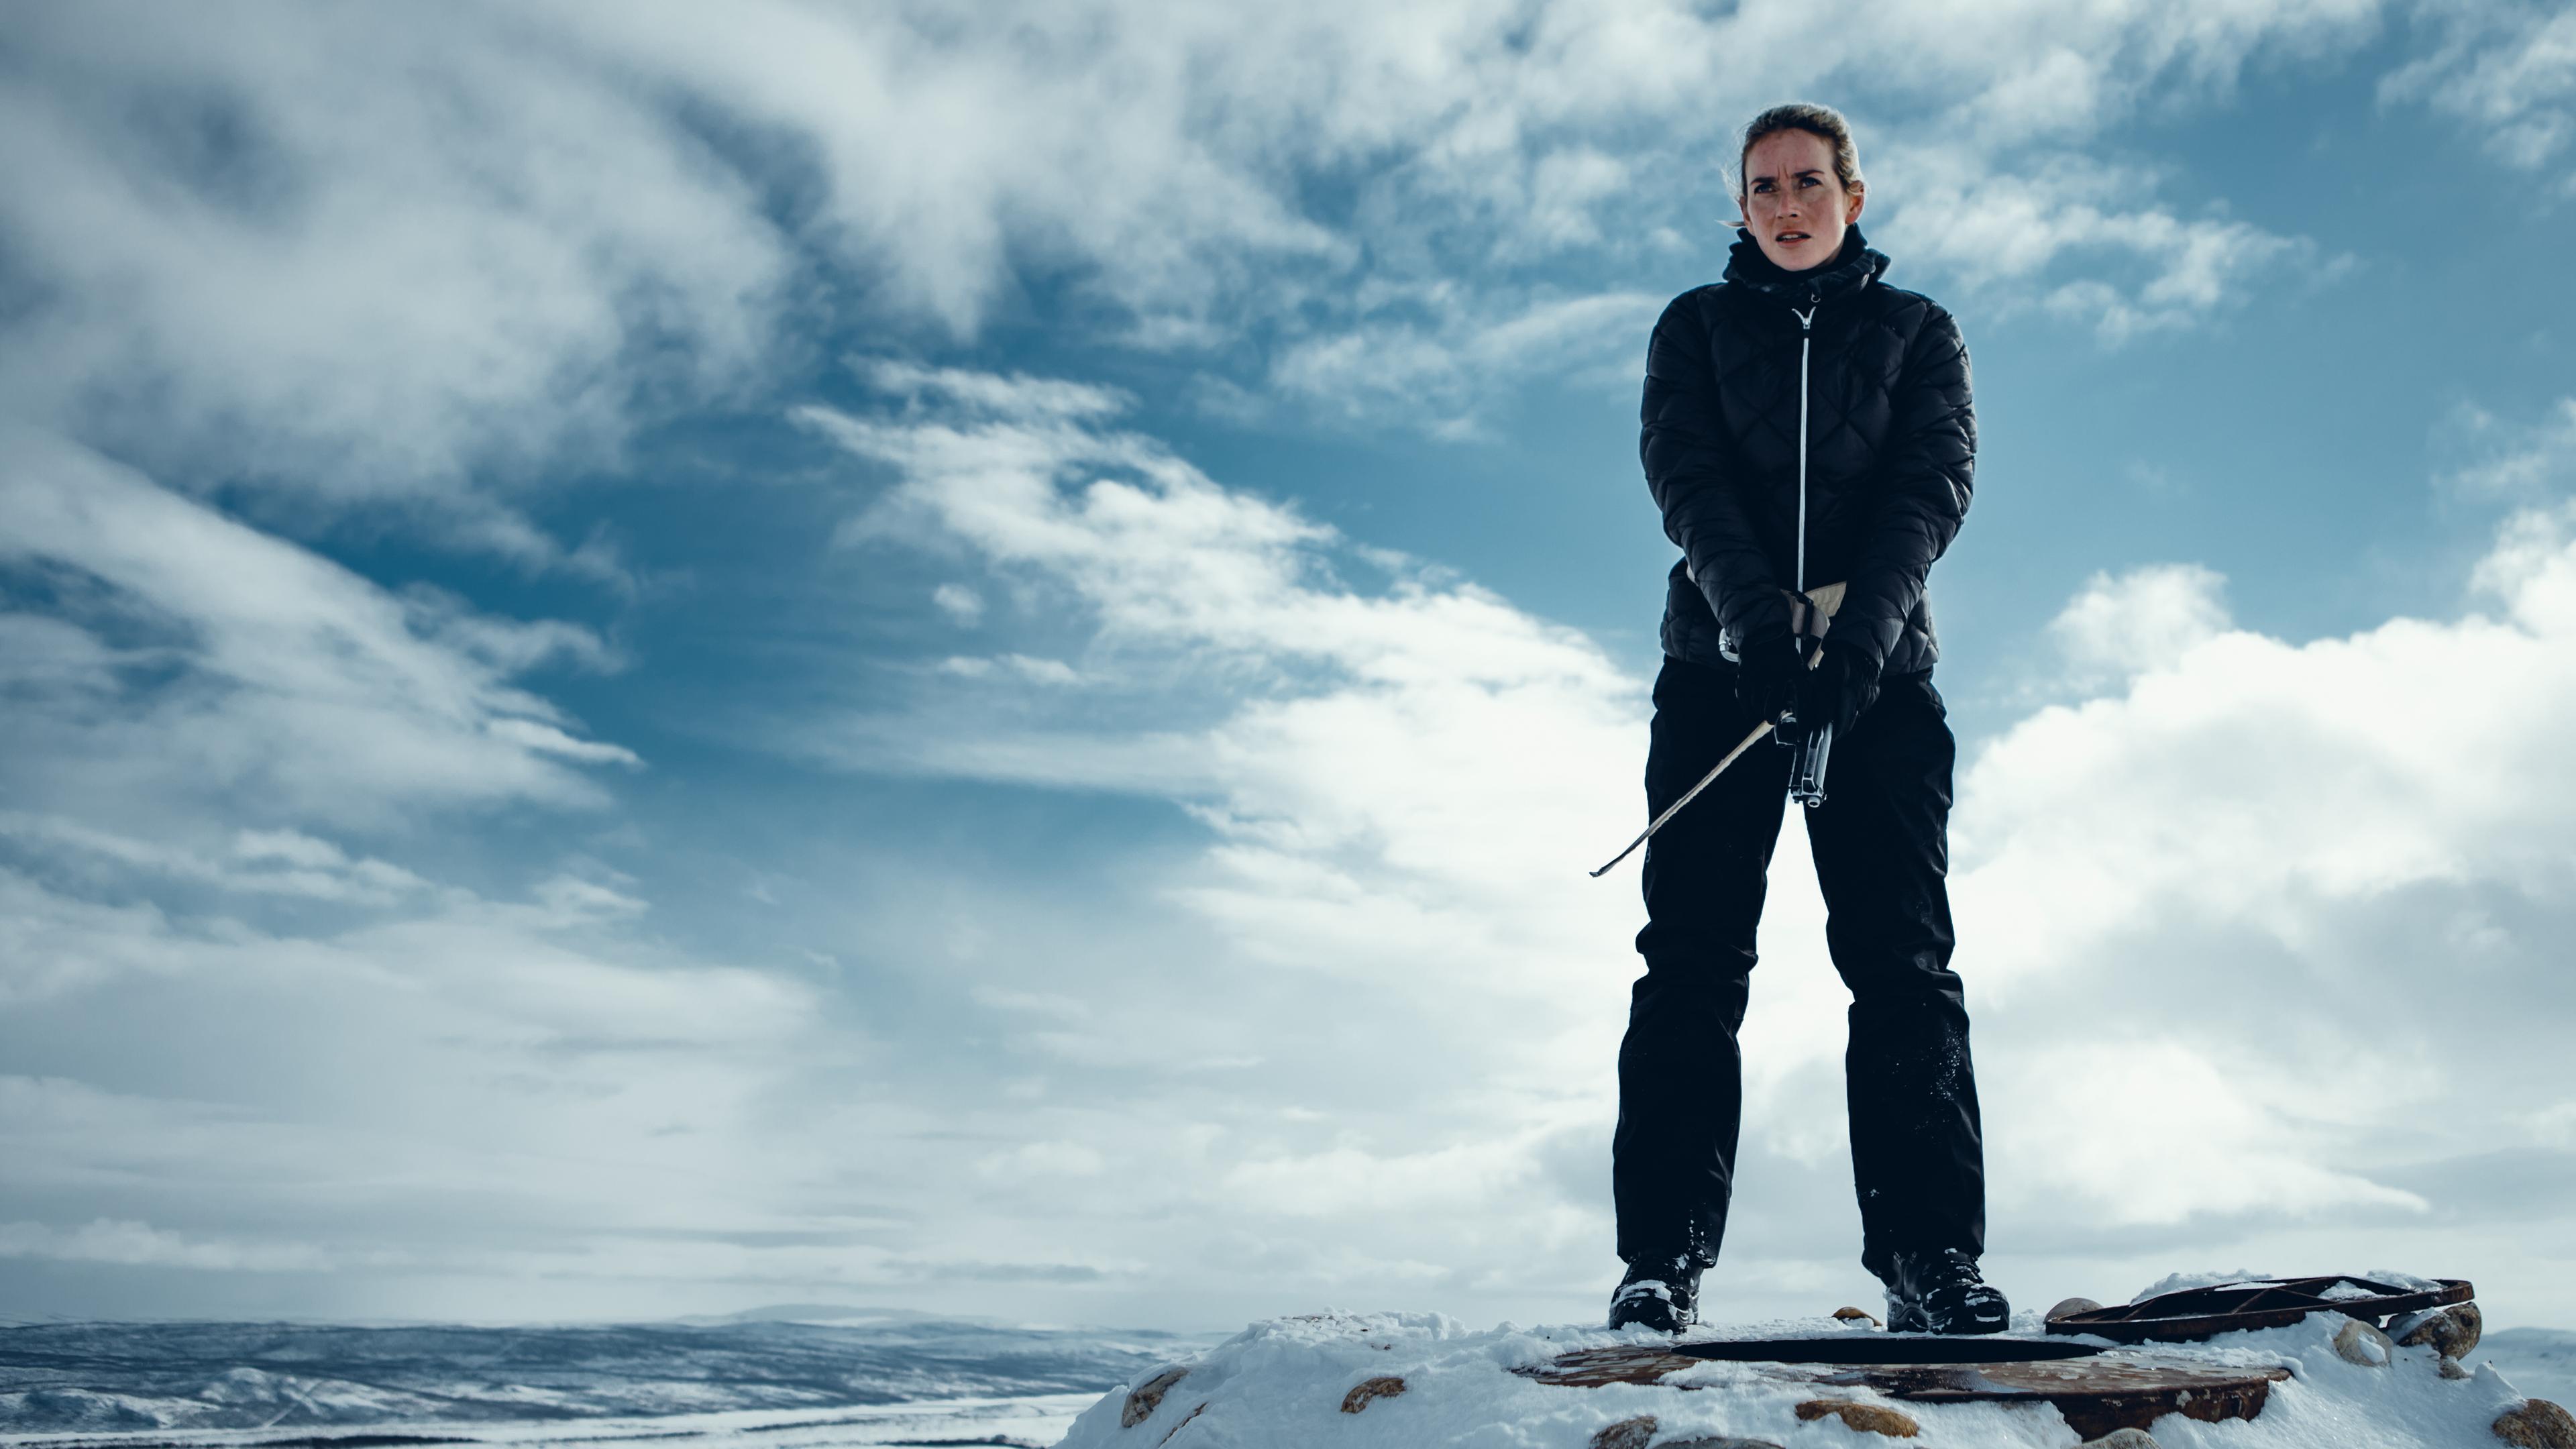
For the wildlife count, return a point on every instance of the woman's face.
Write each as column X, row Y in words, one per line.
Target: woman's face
column 1793, row 202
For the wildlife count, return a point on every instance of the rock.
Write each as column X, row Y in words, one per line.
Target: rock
column 2536, row 1424
column 2451, row 1331
column 1385, row 1386
column 1146, row 1397
column 2122, row 1439
column 1870, row 1417
column 1634, row 1433
column 2451, row 1368
column 2073, row 1305
column 2363, row 1343
column 1855, row 1315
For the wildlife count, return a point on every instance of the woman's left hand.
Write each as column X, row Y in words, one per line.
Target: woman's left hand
column 1843, row 683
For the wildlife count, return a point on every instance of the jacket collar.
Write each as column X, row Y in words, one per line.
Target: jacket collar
column 1854, row 267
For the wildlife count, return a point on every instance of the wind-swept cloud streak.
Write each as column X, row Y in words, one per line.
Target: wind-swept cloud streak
column 2506, row 71
column 1359, row 725
column 181, row 651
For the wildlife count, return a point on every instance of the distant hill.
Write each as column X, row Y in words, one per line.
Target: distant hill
column 2540, row 1361
column 90, row 1376
column 843, row 1313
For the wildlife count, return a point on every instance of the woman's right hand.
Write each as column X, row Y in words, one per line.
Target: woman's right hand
column 1767, row 675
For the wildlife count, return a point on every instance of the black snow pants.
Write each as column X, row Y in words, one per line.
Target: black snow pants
column 1880, row 842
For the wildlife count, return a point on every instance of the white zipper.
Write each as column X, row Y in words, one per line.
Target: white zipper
column 1806, row 337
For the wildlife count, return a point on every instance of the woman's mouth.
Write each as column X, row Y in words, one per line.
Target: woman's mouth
column 1791, row 236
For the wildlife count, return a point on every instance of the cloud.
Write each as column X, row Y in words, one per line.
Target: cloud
column 352, row 1088
column 2253, row 782
column 2144, row 619
column 266, row 862
column 383, row 262
column 1038, row 1160
column 186, row 652
column 1363, row 704
column 2002, row 222
column 363, row 256
column 132, row 1244
column 2243, row 921
column 2519, row 463
column 2505, row 70
column 1436, row 376
column 960, row 603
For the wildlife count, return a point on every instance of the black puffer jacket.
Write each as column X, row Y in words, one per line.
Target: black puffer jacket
column 1891, row 447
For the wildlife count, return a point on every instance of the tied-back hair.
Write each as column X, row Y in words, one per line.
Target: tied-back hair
column 1815, row 120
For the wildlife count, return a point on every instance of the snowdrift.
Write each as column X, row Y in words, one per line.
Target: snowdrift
column 1402, row 1379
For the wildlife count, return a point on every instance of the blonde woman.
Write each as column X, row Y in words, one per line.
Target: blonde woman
column 1805, row 424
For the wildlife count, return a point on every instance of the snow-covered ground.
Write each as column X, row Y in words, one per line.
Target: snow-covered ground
column 1283, row 1384
column 773, row 1382
column 152, row 1378
column 1030, row 1422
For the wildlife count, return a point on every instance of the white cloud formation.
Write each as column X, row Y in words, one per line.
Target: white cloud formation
column 2007, row 224
column 266, row 862
column 2519, row 463
column 534, row 1059
column 363, row 254
column 2506, row 70
column 1438, row 376
column 1380, row 733
column 959, row 603
column 132, row 1244
column 189, row 653
column 2145, row 619
column 2254, row 925
column 385, row 259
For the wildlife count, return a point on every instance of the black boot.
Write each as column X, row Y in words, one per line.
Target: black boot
column 1658, row 1293
column 1938, row 1290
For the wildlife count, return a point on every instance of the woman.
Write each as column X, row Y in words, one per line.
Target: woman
column 1866, row 494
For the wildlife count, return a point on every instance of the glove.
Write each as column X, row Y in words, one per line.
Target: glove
column 1767, row 675
column 1843, row 683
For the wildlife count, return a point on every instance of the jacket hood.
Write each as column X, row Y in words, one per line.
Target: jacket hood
column 1854, row 267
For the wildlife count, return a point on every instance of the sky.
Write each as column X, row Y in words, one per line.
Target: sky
column 969, row 657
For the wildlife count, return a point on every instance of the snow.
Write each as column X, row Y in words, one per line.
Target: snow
column 1276, row 1385
column 58, row 1379
column 1281, row 1385
column 2184, row 1282
column 1028, row 1422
